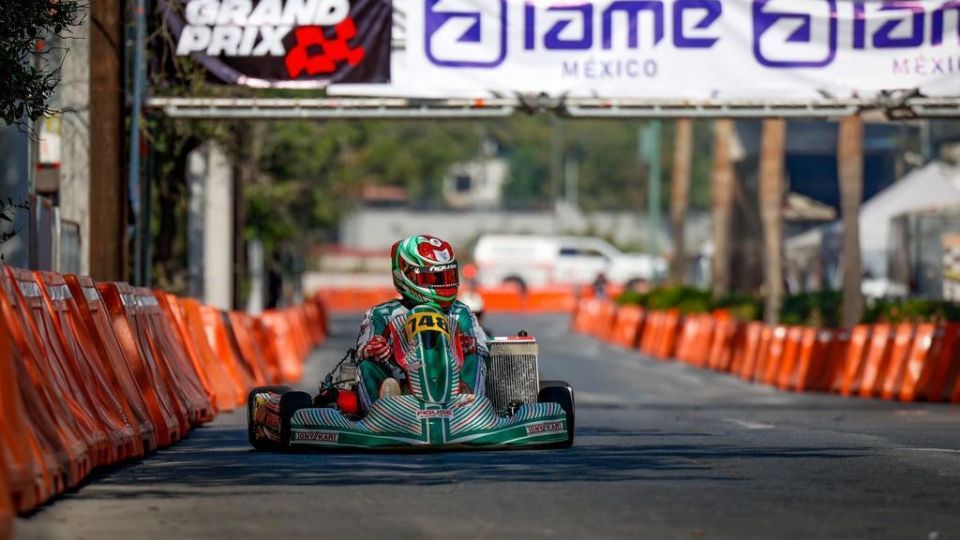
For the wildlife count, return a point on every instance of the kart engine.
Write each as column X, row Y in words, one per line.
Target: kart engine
column 513, row 378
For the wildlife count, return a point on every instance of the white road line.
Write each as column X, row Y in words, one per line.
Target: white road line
column 748, row 424
column 942, row 450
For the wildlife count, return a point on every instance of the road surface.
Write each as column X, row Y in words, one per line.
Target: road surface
column 662, row 451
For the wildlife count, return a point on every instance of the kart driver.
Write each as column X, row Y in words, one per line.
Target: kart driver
column 425, row 271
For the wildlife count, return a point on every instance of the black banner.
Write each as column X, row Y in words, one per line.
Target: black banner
column 281, row 43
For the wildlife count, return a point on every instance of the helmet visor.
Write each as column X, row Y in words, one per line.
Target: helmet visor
column 434, row 277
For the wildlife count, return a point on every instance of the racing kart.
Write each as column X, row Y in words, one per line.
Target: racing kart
column 517, row 409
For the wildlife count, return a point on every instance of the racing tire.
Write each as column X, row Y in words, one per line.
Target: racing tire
column 290, row 403
column 251, row 425
column 560, row 392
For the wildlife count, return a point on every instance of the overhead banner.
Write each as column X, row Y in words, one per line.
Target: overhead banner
column 282, row 43
column 669, row 49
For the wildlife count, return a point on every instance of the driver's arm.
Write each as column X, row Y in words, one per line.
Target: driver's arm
column 372, row 344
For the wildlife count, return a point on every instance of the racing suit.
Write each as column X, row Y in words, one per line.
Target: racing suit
column 375, row 325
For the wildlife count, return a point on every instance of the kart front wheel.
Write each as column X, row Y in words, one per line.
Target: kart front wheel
column 290, row 403
column 561, row 393
column 256, row 442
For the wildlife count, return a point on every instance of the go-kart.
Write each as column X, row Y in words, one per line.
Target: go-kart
column 516, row 409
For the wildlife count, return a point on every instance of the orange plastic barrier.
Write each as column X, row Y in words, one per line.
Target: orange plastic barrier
column 693, row 341
column 219, row 341
column 6, row 507
column 94, row 314
column 835, row 368
column 355, row 299
column 811, row 358
column 27, row 481
column 89, row 370
column 548, row 300
column 91, row 374
column 242, row 327
column 587, row 312
column 121, row 307
column 772, row 359
column 603, row 322
column 227, row 395
column 745, row 364
column 282, row 337
column 762, row 358
column 853, row 365
column 921, row 360
column 667, row 341
column 721, row 344
column 173, row 360
column 899, row 354
column 627, row 326
column 877, row 360
column 82, row 435
column 932, row 386
column 788, row 374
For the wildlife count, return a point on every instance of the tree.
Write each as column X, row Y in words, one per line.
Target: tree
column 771, row 214
column 850, row 161
column 26, row 27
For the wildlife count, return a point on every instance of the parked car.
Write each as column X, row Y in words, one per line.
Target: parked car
column 534, row 261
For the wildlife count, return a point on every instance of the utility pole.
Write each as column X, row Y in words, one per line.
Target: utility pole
column 650, row 152
column 772, row 145
column 108, row 191
column 850, row 163
column 139, row 182
column 679, row 196
column 722, row 179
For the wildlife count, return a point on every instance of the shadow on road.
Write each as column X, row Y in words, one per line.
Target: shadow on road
column 220, row 458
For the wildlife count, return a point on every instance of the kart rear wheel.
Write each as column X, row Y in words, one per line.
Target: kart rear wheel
column 560, row 392
column 290, row 403
column 258, row 444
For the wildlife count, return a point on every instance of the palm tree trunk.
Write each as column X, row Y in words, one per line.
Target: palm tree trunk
column 722, row 178
column 771, row 198
column 850, row 162
column 680, row 195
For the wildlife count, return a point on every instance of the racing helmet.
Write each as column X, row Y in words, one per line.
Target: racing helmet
column 425, row 270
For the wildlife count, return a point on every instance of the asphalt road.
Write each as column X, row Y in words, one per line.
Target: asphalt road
column 662, row 451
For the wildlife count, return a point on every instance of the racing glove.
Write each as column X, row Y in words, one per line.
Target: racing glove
column 376, row 349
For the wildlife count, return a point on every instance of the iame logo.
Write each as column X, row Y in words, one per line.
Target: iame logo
column 458, row 35
column 783, row 33
column 240, row 28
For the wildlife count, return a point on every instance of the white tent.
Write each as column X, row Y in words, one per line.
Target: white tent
column 934, row 186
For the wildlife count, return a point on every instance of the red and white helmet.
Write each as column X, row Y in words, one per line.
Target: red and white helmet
column 425, row 270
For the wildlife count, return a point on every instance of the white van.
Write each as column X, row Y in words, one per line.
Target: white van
column 534, row 261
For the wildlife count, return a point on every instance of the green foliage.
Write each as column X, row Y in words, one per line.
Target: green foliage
column 819, row 309
column 27, row 82
column 913, row 310
column 631, row 297
column 686, row 299
column 743, row 307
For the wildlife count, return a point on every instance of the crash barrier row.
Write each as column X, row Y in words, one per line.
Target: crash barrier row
column 92, row 374
column 907, row 362
column 508, row 299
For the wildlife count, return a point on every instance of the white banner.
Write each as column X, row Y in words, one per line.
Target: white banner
column 677, row 49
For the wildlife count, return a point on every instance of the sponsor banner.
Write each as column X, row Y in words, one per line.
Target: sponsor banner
column 282, row 43
column 678, row 49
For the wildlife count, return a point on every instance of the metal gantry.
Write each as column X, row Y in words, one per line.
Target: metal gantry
column 495, row 107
